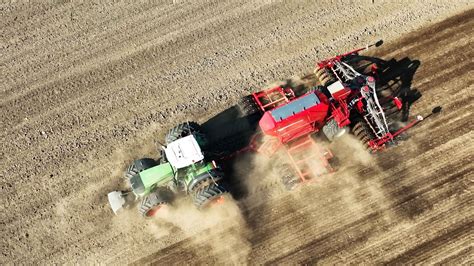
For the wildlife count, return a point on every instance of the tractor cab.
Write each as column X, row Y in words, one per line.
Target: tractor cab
column 184, row 152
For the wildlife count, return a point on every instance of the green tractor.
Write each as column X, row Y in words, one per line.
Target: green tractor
column 182, row 168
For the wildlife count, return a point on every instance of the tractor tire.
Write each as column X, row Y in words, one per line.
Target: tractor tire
column 363, row 132
column 163, row 158
column 247, row 106
column 210, row 194
column 324, row 76
column 151, row 203
column 139, row 165
column 332, row 131
column 182, row 130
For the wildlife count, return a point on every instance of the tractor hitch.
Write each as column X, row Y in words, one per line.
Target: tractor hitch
column 117, row 200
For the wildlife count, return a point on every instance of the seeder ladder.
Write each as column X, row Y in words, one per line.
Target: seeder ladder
column 303, row 154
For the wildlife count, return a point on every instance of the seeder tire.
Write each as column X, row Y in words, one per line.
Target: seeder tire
column 363, row 132
column 209, row 194
column 182, row 130
column 331, row 130
column 323, row 75
column 289, row 178
column 139, row 165
column 318, row 71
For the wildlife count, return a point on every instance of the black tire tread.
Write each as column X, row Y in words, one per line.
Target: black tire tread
column 203, row 196
column 150, row 201
column 182, row 130
column 247, row 106
column 363, row 132
column 330, row 129
column 139, row 165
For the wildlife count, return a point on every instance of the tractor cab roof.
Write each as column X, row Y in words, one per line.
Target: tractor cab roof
column 184, row 152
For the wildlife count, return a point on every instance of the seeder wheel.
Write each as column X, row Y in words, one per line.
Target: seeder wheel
column 318, row 71
column 363, row 132
column 247, row 106
column 323, row 76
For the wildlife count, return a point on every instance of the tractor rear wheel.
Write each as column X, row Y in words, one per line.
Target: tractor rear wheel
column 363, row 132
column 213, row 193
column 182, row 130
column 247, row 106
column 153, row 202
column 139, row 165
column 324, row 76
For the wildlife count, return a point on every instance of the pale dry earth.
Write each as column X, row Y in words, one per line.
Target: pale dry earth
column 85, row 88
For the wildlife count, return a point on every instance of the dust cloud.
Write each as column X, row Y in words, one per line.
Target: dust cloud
column 348, row 188
column 220, row 230
column 359, row 189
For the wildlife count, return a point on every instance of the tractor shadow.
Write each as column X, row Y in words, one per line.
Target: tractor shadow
column 229, row 133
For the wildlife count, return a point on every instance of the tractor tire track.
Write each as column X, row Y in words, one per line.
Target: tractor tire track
column 86, row 88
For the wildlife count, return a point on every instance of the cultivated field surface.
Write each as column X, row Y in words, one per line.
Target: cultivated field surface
column 86, row 88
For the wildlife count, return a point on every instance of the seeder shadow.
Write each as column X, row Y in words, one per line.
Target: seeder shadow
column 394, row 79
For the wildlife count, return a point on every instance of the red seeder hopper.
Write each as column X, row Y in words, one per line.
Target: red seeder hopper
column 344, row 100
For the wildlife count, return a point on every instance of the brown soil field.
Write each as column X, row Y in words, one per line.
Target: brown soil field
column 86, row 88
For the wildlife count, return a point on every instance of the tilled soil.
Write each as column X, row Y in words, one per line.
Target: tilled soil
column 86, row 88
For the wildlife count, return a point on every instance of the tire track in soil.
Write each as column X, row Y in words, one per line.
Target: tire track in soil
column 329, row 242
column 455, row 233
column 53, row 181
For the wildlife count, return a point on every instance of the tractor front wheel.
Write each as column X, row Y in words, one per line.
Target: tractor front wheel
column 208, row 195
column 152, row 203
column 139, row 165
